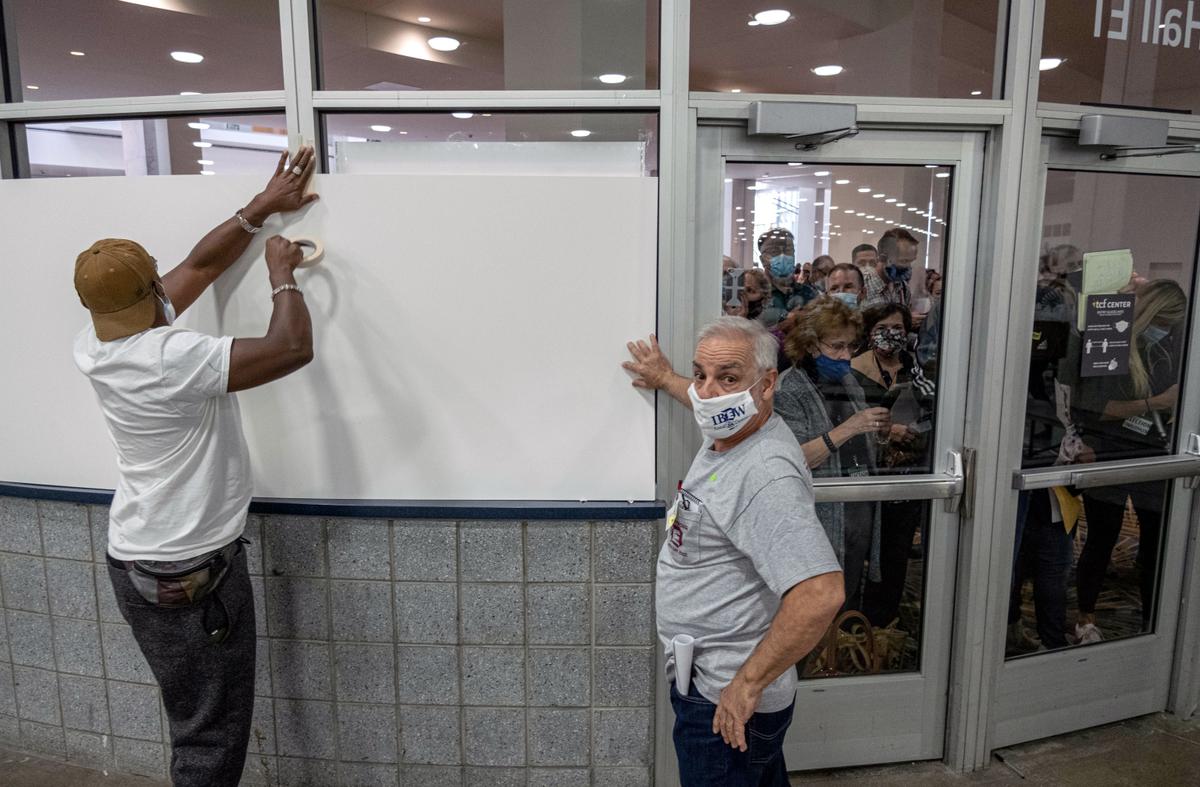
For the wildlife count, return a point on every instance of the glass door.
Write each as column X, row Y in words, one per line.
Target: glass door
column 1110, row 449
column 859, row 256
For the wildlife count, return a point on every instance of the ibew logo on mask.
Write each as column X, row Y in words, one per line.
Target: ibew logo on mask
column 728, row 414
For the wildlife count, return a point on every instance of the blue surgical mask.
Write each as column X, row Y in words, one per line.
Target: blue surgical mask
column 848, row 298
column 783, row 265
column 896, row 273
column 1153, row 334
column 832, row 369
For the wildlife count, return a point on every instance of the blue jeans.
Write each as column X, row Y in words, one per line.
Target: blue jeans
column 706, row 760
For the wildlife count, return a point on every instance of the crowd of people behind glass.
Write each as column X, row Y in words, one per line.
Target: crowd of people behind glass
column 858, row 363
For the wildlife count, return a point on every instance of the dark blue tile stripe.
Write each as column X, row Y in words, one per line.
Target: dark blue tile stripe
column 390, row 509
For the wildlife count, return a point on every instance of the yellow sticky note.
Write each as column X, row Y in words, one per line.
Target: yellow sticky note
column 1104, row 272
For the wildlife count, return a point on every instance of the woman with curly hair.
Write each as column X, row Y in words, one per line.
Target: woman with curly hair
column 825, row 408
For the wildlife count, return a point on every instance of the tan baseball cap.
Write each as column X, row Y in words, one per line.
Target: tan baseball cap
column 114, row 279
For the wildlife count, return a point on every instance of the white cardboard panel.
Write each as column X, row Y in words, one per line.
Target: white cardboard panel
column 469, row 333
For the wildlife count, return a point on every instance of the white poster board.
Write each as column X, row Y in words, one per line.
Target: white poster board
column 469, row 332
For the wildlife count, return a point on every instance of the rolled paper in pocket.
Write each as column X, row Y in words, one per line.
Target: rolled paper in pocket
column 314, row 251
column 682, row 646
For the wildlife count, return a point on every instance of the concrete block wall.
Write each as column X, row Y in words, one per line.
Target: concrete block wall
column 407, row 652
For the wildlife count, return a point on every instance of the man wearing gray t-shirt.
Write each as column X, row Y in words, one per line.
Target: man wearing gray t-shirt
column 746, row 571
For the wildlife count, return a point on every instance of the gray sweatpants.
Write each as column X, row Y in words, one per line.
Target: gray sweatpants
column 207, row 689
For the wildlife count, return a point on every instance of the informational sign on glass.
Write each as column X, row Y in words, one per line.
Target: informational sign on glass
column 1106, row 335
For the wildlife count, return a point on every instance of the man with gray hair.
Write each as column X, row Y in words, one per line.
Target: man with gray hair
column 746, row 571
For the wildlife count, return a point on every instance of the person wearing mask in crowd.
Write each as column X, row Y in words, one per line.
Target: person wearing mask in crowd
column 1126, row 416
column 845, row 282
column 803, row 273
column 821, row 267
column 756, row 295
column 777, row 254
column 897, row 250
column 824, row 406
column 174, row 551
column 746, row 569
column 890, row 377
column 865, row 257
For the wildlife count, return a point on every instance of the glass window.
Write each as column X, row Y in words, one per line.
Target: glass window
column 941, row 49
column 183, row 145
column 488, row 45
column 1109, row 338
column 1132, row 53
column 565, row 143
column 844, row 264
column 69, row 49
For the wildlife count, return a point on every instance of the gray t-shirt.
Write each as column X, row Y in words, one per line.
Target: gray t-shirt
column 744, row 533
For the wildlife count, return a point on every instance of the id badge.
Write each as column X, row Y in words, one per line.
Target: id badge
column 1139, row 424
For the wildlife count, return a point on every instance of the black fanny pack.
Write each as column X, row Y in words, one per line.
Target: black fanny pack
column 179, row 583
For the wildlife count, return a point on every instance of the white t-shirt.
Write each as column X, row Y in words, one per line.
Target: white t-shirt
column 185, row 472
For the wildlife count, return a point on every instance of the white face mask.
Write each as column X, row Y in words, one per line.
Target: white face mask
column 723, row 416
column 168, row 308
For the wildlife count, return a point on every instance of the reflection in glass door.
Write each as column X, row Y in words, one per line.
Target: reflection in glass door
column 1102, row 513
column 1108, row 340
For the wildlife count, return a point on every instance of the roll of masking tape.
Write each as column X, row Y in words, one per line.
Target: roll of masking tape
column 314, row 251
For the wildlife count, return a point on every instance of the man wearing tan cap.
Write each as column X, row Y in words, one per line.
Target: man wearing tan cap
column 175, row 526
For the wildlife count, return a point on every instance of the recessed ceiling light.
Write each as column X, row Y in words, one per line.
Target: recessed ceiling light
column 739, row 219
column 795, row 164
column 204, row 162
column 942, row 175
column 977, row 92
column 729, row 180
column 877, row 195
column 842, row 181
column 848, row 210
column 833, row 207
column 818, row 204
column 739, row 207
column 1047, row 63
column 864, row 190
column 189, row 93
column 774, row 16
column 444, row 43
column 423, row 19
column 381, row 129
column 612, row 79
column 462, row 115
column 890, row 200
column 581, row 132
column 931, row 166
column 76, row 53
column 823, row 173
column 187, row 57
column 828, row 71
column 207, row 172
column 198, row 126
column 202, row 144
column 860, row 213
column 755, row 187
column 870, row 215
column 32, row 87
column 901, row 204
column 736, row 90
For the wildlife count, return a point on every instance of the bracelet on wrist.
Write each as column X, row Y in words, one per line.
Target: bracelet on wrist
column 829, row 443
column 285, row 288
column 245, row 223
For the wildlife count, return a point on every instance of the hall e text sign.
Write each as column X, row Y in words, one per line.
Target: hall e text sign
column 1163, row 22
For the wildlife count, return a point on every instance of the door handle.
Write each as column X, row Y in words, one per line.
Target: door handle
column 1125, row 471
column 950, row 485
